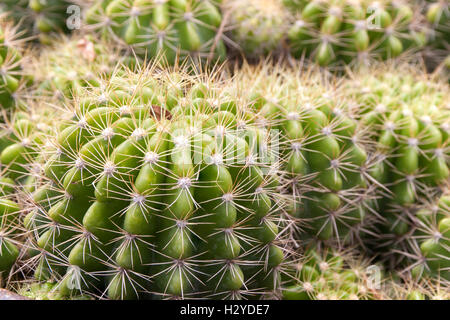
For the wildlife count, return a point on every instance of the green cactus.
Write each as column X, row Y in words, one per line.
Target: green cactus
column 438, row 17
column 73, row 64
column 324, row 151
column 10, row 242
column 408, row 114
column 150, row 191
column 429, row 244
column 323, row 274
column 330, row 32
column 257, row 27
column 50, row 17
column 12, row 77
column 168, row 28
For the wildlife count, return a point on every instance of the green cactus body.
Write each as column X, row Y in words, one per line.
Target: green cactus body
column 330, row 32
column 161, row 194
column 19, row 134
column 323, row 274
column 437, row 15
column 167, row 28
column 74, row 64
column 12, row 78
column 257, row 26
column 10, row 242
column 51, row 16
column 324, row 157
column 409, row 118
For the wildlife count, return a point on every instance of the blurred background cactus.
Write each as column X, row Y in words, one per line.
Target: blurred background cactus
column 171, row 28
column 256, row 27
column 73, row 64
column 348, row 31
column 50, row 17
column 438, row 18
column 44, row 18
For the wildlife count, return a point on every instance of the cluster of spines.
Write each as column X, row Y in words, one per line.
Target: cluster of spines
column 428, row 247
column 426, row 288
